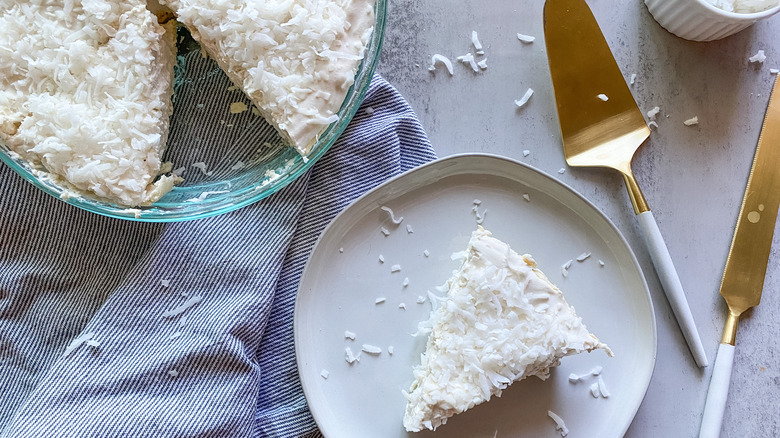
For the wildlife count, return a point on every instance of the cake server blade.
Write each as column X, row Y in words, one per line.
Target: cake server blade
column 602, row 126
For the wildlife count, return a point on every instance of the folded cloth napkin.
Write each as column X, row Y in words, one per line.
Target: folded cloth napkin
column 114, row 328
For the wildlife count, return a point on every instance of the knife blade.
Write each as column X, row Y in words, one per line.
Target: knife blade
column 743, row 276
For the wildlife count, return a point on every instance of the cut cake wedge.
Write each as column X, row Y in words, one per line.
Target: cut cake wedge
column 501, row 321
column 85, row 94
column 295, row 59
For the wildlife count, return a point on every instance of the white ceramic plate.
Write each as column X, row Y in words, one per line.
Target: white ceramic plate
column 344, row 278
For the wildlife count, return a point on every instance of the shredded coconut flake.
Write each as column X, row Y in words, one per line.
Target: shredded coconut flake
column 525, row 39
column 426, row 253
column 603, row 387
column 468, row 58
column 594, row 390
column 582, row 257
column 92, row 343
column 379, row 300
column 402, row 306
column 526, row 152
column 409, row 229
column 202, row 167
column 527, row 197
column 562, row 170
column 325, row 373
column 482, row 64
column 475, row 40
column 385, row 231
column 406, row 281
column 444, row 60
column 633, row 79
column 78, row 342
column 178, row 310
column 165, row 283
column 381, row 258
column 601, row 263
column 372, row 349
column 349, row 335
column 603, row 97
column 523, row 100
column 774, row 71
column 390, row 350
column 349, row 356
column 173, row 373
column 395, row 268
column 692, row 121
column 393, row 219
column 653, row 112
column 759, row 57
column 559, row 424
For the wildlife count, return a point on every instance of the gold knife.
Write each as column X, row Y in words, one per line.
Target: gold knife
column 743, row 276
column 602, row 126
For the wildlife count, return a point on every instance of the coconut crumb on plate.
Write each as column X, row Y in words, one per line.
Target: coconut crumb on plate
column 559, row 424
column 372, row 349
column 395, row 220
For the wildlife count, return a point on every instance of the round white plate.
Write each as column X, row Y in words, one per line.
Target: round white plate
column 344, row 278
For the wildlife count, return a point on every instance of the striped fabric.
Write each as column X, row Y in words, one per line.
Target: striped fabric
column 222, row 367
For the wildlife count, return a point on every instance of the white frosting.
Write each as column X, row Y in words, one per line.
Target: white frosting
column 501, row 321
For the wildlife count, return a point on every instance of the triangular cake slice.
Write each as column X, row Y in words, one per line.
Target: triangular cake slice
column 85, row 94
column 501, row 321
column 295, row 59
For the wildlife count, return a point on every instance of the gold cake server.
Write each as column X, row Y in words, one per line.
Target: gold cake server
column 602, row 126
column 743, row 276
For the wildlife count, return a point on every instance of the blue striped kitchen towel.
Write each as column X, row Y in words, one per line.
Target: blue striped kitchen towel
column 112, row 328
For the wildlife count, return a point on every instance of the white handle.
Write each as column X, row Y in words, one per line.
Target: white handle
column 671, row 284
column 719, row 390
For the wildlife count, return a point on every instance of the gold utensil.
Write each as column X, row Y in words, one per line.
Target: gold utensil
column 602, row 126
column 743, row 276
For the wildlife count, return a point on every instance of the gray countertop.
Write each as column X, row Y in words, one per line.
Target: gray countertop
column 693, row 177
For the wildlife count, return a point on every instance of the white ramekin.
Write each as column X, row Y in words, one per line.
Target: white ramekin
column 698, row 20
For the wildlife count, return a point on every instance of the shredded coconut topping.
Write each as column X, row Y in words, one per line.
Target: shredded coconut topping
column 85, row 94
column 501, row 321
column 295, row 59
